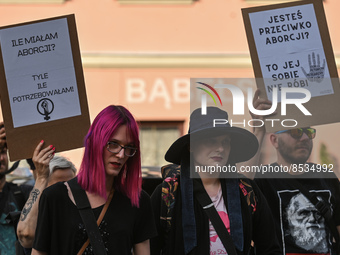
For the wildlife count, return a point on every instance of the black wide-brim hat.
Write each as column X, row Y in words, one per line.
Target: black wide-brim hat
column 243, row 144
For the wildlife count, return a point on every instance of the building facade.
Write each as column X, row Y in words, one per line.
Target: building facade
column 142, row 54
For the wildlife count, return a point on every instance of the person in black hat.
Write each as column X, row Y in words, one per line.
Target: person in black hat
column 203, row 182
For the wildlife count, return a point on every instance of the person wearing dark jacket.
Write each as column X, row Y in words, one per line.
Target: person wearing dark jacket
column 12, row 199
column 205, row 161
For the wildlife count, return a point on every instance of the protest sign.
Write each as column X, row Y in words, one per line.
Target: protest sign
column 290, row 48
column 42, row 86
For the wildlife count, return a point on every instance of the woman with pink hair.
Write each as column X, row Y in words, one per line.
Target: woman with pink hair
column 110, row 169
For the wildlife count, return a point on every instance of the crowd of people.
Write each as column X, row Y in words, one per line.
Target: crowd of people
column 102, row 209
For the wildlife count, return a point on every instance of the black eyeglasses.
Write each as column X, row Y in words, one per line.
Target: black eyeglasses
column 298, row 132
column 116, row 148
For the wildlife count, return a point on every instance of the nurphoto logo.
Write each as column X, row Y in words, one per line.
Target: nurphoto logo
column 204, row 97
column 284, row 95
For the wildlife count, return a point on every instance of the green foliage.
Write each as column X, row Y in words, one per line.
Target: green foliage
column 325, row 156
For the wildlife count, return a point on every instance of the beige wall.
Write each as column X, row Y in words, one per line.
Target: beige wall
column 158, row 48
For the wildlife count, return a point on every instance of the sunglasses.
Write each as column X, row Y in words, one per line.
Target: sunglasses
column 298, row 132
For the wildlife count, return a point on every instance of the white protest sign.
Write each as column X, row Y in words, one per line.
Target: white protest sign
column 40, row 73
column 290, row 49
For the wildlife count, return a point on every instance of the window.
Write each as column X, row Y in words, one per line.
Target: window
column 156, row 138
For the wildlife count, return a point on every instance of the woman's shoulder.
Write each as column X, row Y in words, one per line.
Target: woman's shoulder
column 144, row 196
column 120, row 197
column 55, row 190
column 144, row 200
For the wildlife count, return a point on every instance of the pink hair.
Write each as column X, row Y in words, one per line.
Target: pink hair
column 91, row 176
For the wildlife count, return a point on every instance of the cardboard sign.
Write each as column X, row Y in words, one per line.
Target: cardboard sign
column 290, row 47
column 42, row 87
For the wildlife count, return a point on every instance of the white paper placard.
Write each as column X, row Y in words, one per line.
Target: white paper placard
column 40, row 72
column 290, row 49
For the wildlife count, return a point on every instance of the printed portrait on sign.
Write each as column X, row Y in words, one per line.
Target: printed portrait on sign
column 302, row 225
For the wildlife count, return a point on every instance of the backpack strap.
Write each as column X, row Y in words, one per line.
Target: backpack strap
column 235, row 212
column 99, row 220
column 209, row 208
column 87, row 216
column 13, row 167
column 170, row 174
